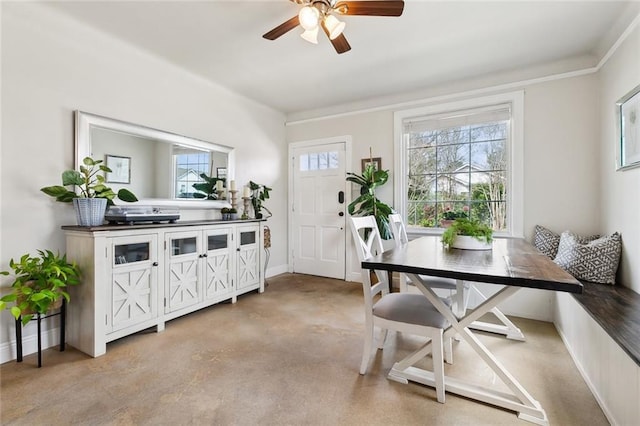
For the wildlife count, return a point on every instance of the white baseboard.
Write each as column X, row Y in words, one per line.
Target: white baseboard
column 277, row 270
column 50, row 338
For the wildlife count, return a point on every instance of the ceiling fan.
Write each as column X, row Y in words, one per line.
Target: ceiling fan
column 322, row 13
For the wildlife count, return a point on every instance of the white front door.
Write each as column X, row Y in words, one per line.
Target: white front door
column 319, row 209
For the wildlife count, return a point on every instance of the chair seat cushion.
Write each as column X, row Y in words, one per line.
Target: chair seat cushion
column 438, row 282
column 409, row 308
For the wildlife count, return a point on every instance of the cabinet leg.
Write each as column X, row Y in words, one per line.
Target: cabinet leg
column 19, row 339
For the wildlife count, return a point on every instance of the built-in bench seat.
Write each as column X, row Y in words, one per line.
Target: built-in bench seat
column 617, row 310
column 601, row 330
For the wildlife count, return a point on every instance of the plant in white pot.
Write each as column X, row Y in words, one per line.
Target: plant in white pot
column 93, row 197
column 469, row 234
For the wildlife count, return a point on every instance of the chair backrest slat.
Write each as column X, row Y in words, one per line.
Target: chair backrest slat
column 398, row 229
column 366, row 248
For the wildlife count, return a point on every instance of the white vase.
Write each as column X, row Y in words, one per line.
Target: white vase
column 90, row 211
column 466, row 242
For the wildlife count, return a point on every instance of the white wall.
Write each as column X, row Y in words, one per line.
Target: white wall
column 142, row 157
column 52, row 66
column 620, row 189
column 561, row 162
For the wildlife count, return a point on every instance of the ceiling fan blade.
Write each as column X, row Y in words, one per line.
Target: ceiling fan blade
column 339, row 43
column 370, row 8
column 282, row 28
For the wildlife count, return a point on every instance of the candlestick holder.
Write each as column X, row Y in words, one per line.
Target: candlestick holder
column 245, row 211
column 220, row 194
column 234, row 198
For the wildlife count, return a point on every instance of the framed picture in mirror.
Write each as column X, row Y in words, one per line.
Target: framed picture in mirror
column 120, row 169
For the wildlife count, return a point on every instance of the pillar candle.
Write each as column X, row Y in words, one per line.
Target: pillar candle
column 232, row 185
column 246, row 192
column 219, row 185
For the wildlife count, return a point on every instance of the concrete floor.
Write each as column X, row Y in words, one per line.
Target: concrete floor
column 289, row 356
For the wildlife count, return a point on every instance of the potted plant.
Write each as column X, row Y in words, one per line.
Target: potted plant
column 225, row 213
column 93, row 197
column 208, row 188
column 39, row 284
column 259, row 194
column 367, row 203
column 468, row 234
column 233, row 214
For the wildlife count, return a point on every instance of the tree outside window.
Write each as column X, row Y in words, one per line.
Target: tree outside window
column 457, row 170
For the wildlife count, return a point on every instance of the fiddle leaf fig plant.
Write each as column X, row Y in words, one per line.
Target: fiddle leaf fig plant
column 208, row 187
column 90, row 182
column 367, row 204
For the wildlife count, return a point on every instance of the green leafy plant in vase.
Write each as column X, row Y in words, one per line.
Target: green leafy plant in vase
column 260, row 193
column 92, row 196
column 367, row 204
column 207, row 187
column 40, row 284
column 471, row 228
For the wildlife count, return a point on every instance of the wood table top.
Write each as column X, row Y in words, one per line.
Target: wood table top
column 511, row 261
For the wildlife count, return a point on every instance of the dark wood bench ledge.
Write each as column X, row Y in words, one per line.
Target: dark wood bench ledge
column 617, row 310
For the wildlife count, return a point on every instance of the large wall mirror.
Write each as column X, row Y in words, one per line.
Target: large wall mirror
column 159, row 167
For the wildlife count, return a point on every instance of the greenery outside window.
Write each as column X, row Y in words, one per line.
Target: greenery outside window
column 461, row 160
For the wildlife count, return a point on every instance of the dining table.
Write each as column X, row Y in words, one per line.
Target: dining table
column 512, row 264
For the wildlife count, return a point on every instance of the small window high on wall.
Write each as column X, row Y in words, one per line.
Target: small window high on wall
column 460, row 160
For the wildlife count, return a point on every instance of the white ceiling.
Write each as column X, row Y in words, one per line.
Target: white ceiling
column 433, row 43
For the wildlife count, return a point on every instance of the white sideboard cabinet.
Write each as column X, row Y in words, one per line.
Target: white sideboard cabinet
column 139, row 276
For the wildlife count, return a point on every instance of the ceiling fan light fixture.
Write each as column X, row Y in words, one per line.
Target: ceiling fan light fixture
column 308, row 17
column 334, row 26
column 310, row 35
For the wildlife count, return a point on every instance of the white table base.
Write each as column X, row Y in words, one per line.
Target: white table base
column 519, row 400
column 506, row 327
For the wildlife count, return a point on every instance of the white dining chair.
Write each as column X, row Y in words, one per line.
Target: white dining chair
column 460, row 290
column 401, row 312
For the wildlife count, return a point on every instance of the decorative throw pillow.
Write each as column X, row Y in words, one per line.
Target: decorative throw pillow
column 595, row 261
column 546, row 241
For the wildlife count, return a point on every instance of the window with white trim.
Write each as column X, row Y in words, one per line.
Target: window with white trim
column 189, row 165
column 460, row 160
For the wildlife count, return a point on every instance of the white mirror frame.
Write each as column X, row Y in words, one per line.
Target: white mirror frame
column 85, row 121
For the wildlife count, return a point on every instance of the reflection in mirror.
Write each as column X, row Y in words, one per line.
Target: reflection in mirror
column 163, row 166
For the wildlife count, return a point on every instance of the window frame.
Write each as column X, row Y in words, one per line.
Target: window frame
column 515, row 156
